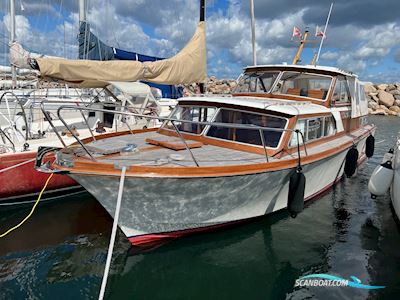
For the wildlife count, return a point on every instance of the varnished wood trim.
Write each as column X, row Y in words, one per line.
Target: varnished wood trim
column 282, row 97
column 286, row 138
column 235, row 107
column 342, row 104
column 175, row 145
column 88, row 167
column 226, row 144
column 329, row 96
column 282, row 68
column 112, row 134
column 308, row 116
column 317, row 142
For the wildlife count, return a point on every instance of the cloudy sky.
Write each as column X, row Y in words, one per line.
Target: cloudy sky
column 363, row 35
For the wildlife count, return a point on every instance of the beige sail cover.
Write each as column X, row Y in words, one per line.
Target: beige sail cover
column 188, row 66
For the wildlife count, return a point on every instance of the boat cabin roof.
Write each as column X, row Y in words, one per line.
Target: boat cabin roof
column 287, row 107
column 326, row 70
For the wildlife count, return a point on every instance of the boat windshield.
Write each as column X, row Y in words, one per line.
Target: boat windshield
column 190, row 113
column 247, row 136
column 303, row 84
column 256, row 82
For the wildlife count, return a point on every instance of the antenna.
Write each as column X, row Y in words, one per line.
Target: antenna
column 324, row 35
column 82, row 11
column 253, row 32
column 12, row 39
column 202, row 18
column 202, row 10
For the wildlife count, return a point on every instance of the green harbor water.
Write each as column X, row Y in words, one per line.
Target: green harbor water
column 60, row 252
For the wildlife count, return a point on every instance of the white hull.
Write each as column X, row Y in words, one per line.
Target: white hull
column 159, row 205
column 395, row 188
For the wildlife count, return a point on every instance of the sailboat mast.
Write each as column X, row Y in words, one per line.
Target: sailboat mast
column 12, row 39
column 202, row 10
column 82, row 11
column 82, row 19
column 202, row 18
column 253, row 32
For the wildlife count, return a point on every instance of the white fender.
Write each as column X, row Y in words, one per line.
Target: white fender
column 381, row 179
column 395, row 190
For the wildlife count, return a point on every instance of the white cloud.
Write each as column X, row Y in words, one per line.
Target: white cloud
column 329, row 55
column 22, row 26
column 162, row 28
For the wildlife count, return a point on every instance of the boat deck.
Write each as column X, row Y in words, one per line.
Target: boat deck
column 51, row 140
column 109, row 151
column 150, row 155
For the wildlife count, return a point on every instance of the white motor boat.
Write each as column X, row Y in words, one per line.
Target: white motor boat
column 288, row 134
column 386, row 177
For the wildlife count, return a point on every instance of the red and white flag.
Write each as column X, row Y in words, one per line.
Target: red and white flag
column 296, row 32
column 319, row 32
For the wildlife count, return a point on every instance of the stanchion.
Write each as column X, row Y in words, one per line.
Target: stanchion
column 113, row 234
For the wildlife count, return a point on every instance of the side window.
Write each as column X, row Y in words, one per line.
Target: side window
column 255, row 83
column 243, row 84
column 314, row 128
column 341, row 93
column 303, row 84
column 301, row 126
column 330, row 126
column 244, row 135
column 188, row 113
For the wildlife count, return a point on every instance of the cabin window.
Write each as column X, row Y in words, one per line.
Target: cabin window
column 301, row 125
column 191, row 113
column 330, row 126
column 256, row 83
column 341, row 93
column 304, row 85
column 248, row 136
column 313, row 128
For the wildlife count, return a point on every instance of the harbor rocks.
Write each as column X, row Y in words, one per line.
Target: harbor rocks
column 383, row 99
column 214, row 86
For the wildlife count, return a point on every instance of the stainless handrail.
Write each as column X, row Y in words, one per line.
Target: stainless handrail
column 263, row 143
column 27, row 131
column 172, row 120
column 184, row 142
column 48, row 118
column 4, row 135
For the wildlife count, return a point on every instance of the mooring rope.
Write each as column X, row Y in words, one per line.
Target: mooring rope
column 113, row 234
column 32, row 210
column 17, row 165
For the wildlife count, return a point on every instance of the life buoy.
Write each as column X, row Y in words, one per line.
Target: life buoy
column 350, row 165
column 370, row 146
column 297, row 184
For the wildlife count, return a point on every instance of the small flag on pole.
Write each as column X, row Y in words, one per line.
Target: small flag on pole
column 296, row 32
column 319, row 32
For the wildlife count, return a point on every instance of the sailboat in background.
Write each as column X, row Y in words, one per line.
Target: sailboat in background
column 92, row 48
column 23, row 124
